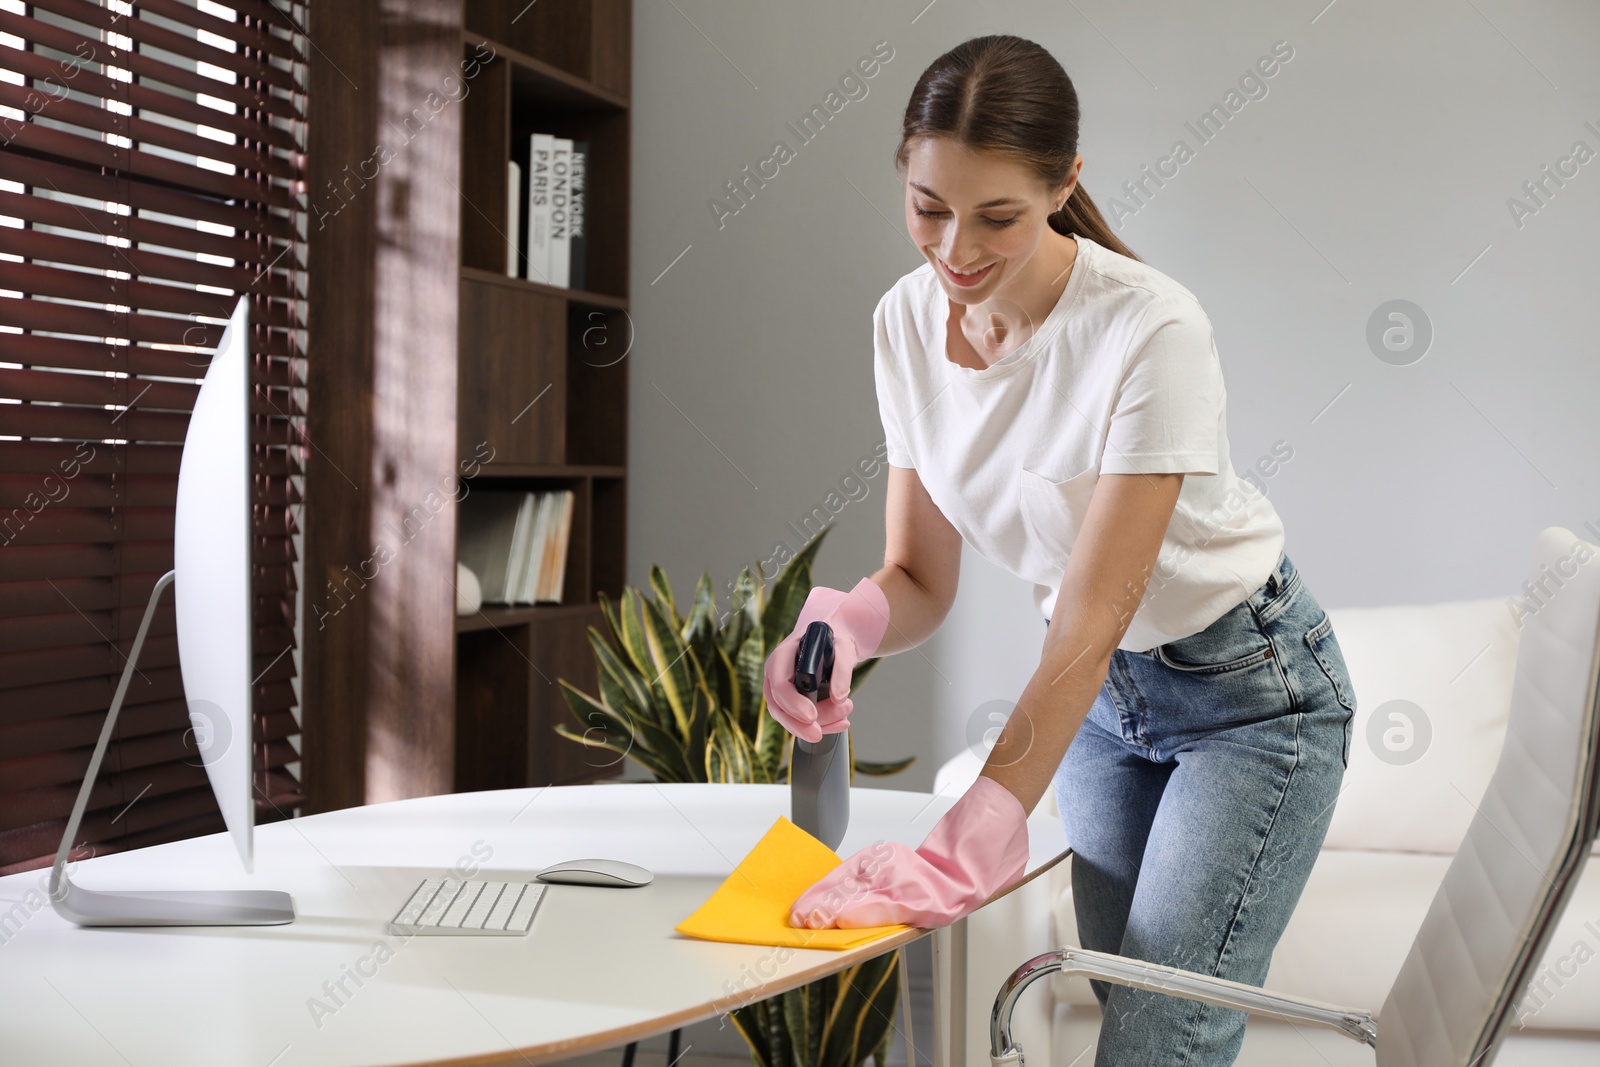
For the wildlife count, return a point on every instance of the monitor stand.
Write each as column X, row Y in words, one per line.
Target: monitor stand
column 95, row 907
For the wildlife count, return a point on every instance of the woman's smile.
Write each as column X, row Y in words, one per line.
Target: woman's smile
column 967, row 279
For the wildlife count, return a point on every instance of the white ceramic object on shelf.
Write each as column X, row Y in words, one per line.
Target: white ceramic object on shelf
column 469, row 593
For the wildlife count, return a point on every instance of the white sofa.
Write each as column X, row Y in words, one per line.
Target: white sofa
column 1394, row 830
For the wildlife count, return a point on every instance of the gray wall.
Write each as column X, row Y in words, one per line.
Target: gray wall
column 1379, row 163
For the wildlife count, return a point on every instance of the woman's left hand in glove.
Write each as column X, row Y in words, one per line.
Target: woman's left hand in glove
column 977, row 849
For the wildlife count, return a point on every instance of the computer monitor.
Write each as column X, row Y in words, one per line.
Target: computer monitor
column 211, row 570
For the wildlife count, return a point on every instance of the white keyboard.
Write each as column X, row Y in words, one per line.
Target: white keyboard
column 452, row 906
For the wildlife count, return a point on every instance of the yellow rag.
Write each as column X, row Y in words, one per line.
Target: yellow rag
column 752, row 904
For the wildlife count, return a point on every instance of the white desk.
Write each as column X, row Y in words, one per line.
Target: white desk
column 600, row 968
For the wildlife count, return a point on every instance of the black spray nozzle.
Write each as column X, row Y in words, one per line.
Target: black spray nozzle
column 813, row 662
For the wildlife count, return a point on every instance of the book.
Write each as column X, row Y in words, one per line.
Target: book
column 516, row 542
column 487, row 521
column 538, row 592
column 537, row 268
column 577, row 195
column 547, row 563
column 514, row 197
column 560, row 192
column 534, row 570
column 518, row 571
column 563, row 538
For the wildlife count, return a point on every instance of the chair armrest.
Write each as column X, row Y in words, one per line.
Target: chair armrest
column 1156, row 978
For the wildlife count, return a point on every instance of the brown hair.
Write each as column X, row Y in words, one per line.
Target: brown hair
column 1007, row 94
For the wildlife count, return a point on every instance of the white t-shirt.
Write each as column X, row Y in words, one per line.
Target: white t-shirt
column 1122, row 377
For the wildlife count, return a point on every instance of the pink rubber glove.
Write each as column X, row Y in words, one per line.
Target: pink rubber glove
column 859, row 619
column 977, row 849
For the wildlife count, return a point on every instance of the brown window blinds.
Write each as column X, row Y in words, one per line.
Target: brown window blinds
column 151, row 173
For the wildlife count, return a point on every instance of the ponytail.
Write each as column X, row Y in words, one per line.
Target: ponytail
column 1078, row 216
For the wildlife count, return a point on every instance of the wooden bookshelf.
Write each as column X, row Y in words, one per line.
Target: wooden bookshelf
column 425, row 349
column 576, row 296
column 542, row 382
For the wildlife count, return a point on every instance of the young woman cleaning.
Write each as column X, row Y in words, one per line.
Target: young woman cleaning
column 1058, row 404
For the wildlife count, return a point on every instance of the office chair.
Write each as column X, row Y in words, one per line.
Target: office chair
column 1504, row 891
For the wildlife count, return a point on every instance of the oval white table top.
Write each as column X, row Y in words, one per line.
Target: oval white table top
column 600, row 967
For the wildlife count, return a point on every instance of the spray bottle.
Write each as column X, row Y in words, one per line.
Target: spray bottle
column 819, row 773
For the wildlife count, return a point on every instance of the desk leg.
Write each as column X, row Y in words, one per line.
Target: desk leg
column 950, row 994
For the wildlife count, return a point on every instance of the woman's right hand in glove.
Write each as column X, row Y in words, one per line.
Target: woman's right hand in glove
column 859, row 619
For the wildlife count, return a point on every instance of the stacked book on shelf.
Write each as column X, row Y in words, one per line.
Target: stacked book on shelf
column 545, row 208
column 516, row 543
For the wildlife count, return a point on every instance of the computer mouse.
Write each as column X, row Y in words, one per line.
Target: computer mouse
column 614, row 873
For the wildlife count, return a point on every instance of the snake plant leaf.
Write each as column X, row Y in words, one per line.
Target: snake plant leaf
column 650, row 734
column 776, row 1038
column 716, row 764
column 694, row 741
column 744, row 611
column 591, row 739
column 802, row 1016
column 837, row 1021
column 712, row 669
column 878, row 768
column 585, row 709
column 822, row 1009
column 700, row 629
column 729, row 755
column 769, row 733
column 626, row 694
column 663, row 749
column 789, row 591
column 781, row 1048
column 620, row 685
column 587, row 740
column 720, row 765
column 722, row 677
column 752, row 1023
column 883, row 1005
column 749, row 670
column 664, row 599
column 862, row 1012
column 662, row 772
column 743, row 759
column 884, row 1010
column 880, row 1055
column 632, row 637
column 770, row 747
column 611, row 616
column 596, row 717
column 581, row 703
column 702, row 704
column 669, row 657
column 669, row 721
column 759, row 774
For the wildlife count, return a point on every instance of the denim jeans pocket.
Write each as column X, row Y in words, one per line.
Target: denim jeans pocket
column 1233, row 642
column 1325, row 650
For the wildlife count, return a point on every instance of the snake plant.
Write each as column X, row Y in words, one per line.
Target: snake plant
column 682, row 697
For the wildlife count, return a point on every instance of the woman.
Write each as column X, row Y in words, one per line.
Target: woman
column 1059, row 405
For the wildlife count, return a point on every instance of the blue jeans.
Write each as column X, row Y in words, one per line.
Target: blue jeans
column 1195, row 798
